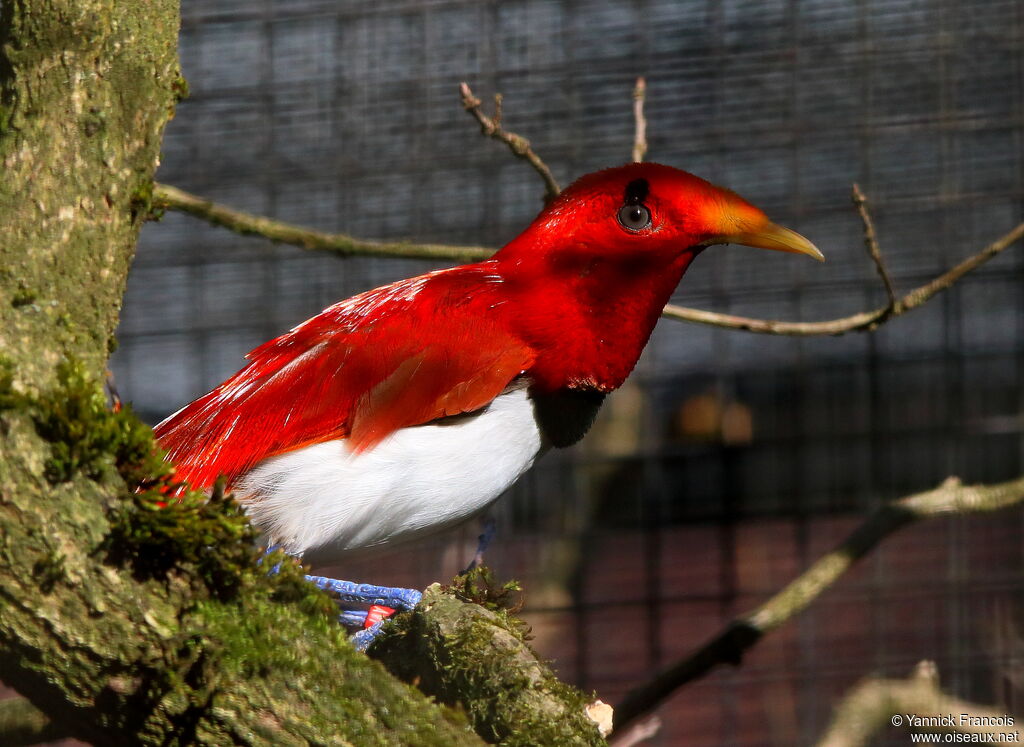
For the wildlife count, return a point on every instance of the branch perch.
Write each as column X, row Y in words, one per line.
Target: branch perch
column 172, row 198
column 728, row 646
column 875, row 703
column 519, row 145
column 340, row 244
column 478, row 659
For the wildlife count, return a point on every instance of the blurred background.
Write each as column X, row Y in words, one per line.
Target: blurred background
column 730, row 461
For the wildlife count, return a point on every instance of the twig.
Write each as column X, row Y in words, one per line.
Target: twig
column 520, row 146
column 728, row 646
column 172, row 198
column 864, row 321
column 876, row 703
column 871, row 242
column 640, row 132
column 21, row 723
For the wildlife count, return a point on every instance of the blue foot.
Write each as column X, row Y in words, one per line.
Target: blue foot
column 386, row 596
column 389, row 596
column 395, row 598
column 362, row 639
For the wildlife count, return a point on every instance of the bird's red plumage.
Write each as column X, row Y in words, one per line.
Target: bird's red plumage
column 400, row 355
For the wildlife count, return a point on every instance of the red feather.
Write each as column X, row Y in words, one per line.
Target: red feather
column 400, row 355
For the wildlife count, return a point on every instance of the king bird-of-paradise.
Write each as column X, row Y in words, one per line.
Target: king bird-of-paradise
column 410, row 408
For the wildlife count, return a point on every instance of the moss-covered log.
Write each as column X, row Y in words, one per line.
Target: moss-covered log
column 165, row 640
column 478, row 659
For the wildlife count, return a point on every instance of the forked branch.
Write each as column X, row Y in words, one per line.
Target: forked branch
column 728, row 646
column 519, row 145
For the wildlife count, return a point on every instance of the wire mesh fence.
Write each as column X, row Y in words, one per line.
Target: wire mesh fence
column 730, row 460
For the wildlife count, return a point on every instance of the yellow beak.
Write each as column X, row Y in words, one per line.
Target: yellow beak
column 772, row 236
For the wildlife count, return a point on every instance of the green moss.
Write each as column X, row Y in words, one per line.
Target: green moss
column 211, row 540
column 157, row 528
column 48, row 570
column 497, row 690
column 478, row 660
column 86, row 436
column 256, row 638
column 8, row 397
column 180, row 89
column 155, row 535
column 479, row 586
column 23, row 296
column 141, row 204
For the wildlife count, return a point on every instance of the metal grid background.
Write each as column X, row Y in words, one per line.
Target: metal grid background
column 642, row 541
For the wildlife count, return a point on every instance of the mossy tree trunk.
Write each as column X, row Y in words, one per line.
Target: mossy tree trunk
column 87, row 87
column 124, row 619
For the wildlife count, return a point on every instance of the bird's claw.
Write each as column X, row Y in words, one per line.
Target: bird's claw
column 384, row 601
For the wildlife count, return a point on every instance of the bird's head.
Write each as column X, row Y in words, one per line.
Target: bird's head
column 596, row 267
column 646, row 210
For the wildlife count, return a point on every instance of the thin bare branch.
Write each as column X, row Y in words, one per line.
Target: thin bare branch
column 640, row 121
column 865, row 321
column 520, row 146
column 728, row 646
column 172, row 198
column 871, row 242
column 343, row 245
column 877, row 703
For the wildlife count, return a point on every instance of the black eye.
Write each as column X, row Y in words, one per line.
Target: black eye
column 634, row 217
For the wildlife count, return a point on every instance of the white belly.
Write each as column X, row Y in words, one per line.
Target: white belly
column 324, row 501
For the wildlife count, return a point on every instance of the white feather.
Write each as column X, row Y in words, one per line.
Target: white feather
column 324, row 501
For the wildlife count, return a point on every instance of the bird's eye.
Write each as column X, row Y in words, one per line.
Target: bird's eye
column 634, row 217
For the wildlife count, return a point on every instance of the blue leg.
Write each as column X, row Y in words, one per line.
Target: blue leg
column 489, row 529
column 386, row 596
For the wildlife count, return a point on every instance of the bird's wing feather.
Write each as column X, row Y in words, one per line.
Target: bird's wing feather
column 398, row 356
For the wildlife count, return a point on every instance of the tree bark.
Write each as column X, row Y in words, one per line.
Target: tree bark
column 478, row 659
column 154, row 647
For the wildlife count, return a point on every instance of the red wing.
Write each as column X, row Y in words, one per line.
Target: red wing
column 361, row 370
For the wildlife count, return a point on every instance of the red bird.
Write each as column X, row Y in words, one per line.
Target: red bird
column 411, row 407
